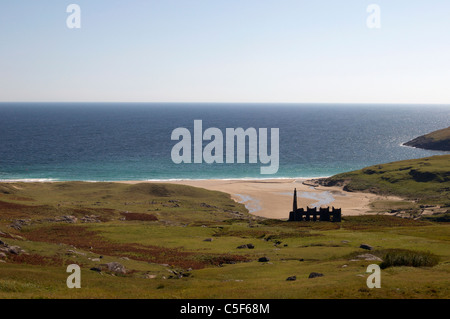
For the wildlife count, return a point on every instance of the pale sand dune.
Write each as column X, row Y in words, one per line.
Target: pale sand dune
column 272, row 198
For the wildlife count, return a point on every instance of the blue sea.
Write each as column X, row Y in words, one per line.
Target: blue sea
column 132, row 141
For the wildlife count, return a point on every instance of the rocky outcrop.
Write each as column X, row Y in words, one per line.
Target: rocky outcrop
column 178, row 274
column 6, row 250
column 291, row 278
column 113, row 267
column 19, row 223
column 116, row 267
column 368, row 257
column 91, row 219
column 246, row 246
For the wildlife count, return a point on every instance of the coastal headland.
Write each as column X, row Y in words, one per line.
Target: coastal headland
column 438, row 140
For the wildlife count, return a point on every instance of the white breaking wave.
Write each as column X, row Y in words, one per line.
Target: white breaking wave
column 28, row 180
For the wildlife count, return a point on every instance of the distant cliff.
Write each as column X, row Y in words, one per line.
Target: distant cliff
column 437, row 140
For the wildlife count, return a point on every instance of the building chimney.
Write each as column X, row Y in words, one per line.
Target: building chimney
column 294, row 208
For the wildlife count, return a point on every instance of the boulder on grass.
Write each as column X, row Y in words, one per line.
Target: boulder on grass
column 291, row 278
column 315, row 274
column 365, row 246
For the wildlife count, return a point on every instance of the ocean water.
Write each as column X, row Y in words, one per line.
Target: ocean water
column 129, row 141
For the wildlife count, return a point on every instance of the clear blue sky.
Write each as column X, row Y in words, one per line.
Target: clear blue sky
column 226, row 51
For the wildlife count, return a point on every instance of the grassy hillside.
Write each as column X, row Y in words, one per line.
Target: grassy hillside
column 183, row 242
column 426, row 180
column 437, row 140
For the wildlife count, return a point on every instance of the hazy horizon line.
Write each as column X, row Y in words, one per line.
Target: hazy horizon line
column 228, row 102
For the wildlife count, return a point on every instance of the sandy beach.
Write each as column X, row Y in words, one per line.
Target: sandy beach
column 272, row 198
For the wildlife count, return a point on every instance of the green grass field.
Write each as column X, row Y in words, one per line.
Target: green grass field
column 181, row 242
column 425, row 180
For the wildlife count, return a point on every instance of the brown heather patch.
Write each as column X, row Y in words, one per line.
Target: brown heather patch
column 12, row 206
column 139, row 216
column 10, row 211
column 83, row 238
